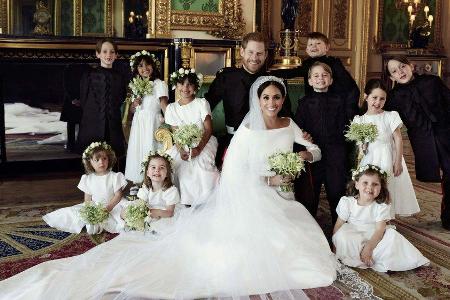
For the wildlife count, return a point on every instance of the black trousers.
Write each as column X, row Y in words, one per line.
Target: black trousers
column 334, row 177
column 224, row 142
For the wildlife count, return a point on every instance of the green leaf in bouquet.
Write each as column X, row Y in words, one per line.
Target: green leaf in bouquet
column 93, row 213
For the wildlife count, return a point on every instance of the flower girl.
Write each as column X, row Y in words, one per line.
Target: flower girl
column 194, row 164
column 149, row 95
column 360, row 234
column 101, row 187
column 386, row 151
column 158, row 192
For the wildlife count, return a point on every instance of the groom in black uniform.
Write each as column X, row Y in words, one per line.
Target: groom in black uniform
column 232, row 85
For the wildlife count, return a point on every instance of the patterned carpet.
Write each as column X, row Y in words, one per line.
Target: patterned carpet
column 26, row 241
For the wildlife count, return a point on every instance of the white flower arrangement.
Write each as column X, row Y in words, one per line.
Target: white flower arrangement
column 361, row 133
column 187, row 137
column 144, row 53
column 140, row 86
column 174, row 77
column 136, row 215
column 286, row 164
column 362, row 169
column 93, row 213
column 87, row 153
column 152, row 154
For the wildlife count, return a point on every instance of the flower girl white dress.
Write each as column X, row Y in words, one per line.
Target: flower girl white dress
column 382, row 153
column 102, row 189
column 146, row 120
column 195, row 178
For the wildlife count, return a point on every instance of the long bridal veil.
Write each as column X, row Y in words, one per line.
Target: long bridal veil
column 244, row 240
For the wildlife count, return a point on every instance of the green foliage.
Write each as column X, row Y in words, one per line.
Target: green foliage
column 362, row 133
column 135, row 215
column 93, row 213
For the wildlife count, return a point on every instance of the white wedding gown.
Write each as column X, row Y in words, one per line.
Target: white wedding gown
column 245, row 240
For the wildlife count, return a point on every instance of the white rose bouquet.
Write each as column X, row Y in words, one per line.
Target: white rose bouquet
column 286, row 164
column 93, row 213
column 136, row 215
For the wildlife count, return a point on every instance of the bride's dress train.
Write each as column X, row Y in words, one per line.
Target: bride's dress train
column 246, row 240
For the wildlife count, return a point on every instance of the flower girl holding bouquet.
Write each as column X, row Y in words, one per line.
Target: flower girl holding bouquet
column 102, row 192
column 361, row 235
column 149, row 97
column 157, row 206
column 195, row 148
column 385, row 149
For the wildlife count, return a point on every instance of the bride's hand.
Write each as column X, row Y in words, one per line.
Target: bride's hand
column 280, row 180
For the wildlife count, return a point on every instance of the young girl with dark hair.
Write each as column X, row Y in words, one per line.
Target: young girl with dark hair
column 361, row 235
column 386, row 151
column 147, row 114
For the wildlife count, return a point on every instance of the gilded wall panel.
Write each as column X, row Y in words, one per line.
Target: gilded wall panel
column 340, row 24
column 305, row 17
column 4, row 16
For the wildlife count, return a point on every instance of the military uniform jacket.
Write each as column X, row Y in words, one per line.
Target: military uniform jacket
column 424, row 107
column 343, row 83
column 102, row 92
column 323, row 115
column 232, row 85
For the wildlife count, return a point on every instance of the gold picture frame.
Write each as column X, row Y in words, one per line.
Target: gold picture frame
column 382, row 46
column 226, row 23
column 78, row 19
column 6, row 20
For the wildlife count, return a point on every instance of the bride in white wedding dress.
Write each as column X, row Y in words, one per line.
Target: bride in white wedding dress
column 246, row 240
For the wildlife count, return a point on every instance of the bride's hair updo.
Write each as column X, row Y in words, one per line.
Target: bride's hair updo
column 265, row 84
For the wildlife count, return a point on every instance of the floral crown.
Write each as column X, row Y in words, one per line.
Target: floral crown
column 153, row 154
column 175, row 76
column 362, row 169
column 144, row 53
column 88, row 151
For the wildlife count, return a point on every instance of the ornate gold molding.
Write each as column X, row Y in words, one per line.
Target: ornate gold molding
column 109, row 27
column 341, row 12
column 57, row 18
column 162, row 15
column 4, row 16
column 150, row 18
column 304, row 18
column 77, row 17
column 186, row 48
column 265, row 26
column 365, row 46
column 340, row 15
column 232, row 26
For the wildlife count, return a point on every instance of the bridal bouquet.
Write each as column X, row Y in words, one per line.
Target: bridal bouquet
column 93, row 213
column 140, row 87
column 136, row 215
column 286, row 164
column 187, row 136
